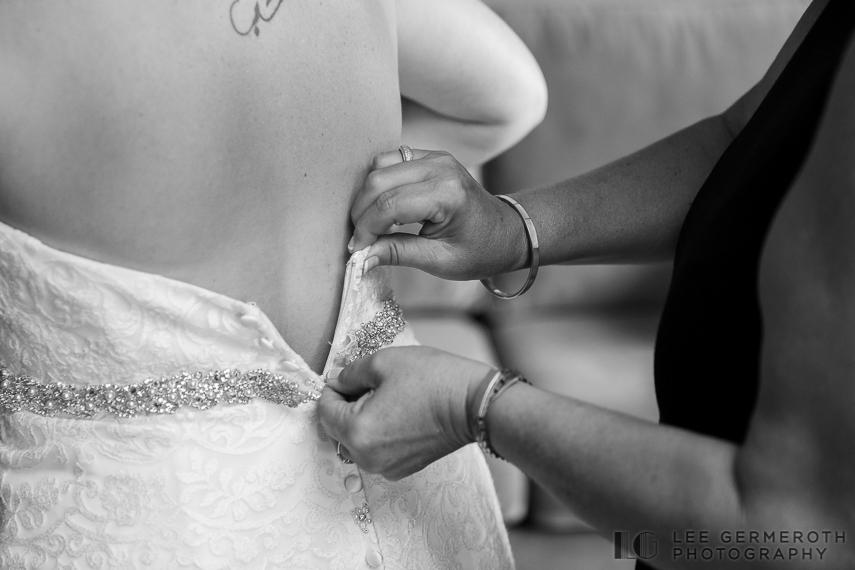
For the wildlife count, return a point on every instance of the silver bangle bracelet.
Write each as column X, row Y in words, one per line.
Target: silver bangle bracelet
column 498, row 385
column 533, row 250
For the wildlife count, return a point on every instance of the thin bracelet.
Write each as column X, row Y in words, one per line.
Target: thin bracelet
column 498, row 385
column 533, row 250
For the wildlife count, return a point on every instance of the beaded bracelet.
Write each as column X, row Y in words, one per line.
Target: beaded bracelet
column 498, row 385
column 533, row 253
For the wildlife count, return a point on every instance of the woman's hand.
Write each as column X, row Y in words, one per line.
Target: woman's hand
column 467, row 232
column 399, row 410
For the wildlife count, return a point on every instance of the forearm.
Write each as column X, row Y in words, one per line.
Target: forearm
column 619, row 473
column 615, row 471
column 630, row 210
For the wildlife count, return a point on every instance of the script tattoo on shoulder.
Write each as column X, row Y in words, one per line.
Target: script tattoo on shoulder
column 246, row 15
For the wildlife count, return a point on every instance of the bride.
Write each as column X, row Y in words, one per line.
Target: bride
column 175, row 182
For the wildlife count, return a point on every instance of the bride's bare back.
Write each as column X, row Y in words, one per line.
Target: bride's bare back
column 215, row 142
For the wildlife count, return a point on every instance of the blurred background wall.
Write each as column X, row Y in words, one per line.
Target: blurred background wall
column 621, row 74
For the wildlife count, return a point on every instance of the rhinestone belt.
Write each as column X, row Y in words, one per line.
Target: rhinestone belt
column 196, row 390
column 378, row 332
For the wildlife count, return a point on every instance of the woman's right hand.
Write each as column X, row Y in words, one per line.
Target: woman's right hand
column 467, row 233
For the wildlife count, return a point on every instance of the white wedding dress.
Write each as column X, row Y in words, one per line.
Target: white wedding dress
column 149, row 423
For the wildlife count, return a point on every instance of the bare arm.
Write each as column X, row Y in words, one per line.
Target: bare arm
column 630, row 210
column 470, row 85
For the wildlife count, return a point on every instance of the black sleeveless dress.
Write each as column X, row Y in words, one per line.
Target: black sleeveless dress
column 708, row 345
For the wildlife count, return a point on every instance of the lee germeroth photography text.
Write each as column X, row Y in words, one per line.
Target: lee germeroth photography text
column 734, row 545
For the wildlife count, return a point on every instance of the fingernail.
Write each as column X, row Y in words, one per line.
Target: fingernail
column 370, row 264
column 334, row 373
column 350, row 244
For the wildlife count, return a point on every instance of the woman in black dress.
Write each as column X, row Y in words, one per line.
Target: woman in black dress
column 755, row 355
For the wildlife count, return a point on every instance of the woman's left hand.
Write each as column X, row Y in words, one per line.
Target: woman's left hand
column 399, row 410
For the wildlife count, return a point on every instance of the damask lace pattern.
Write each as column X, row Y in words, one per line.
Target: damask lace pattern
column 244, row 486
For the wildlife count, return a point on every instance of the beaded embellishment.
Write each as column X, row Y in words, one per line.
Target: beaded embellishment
column 378, row 332
column 196, row 390
column 362, row 517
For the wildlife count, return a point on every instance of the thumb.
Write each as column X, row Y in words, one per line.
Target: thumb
column 355, row 379
column 407, row 250
column 335, row 414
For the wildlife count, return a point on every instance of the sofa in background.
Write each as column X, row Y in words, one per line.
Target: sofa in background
column 621, row 74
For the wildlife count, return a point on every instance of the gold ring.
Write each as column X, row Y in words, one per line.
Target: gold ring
column 341, row 457
column 406, row 152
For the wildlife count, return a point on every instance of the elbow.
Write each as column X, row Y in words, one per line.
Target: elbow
column 793, row 504
column 538, row 99
column 530, row 102
column 517, row 109
column 525, row 103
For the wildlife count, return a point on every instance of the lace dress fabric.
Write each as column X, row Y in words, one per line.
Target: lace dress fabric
column 255, row 485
